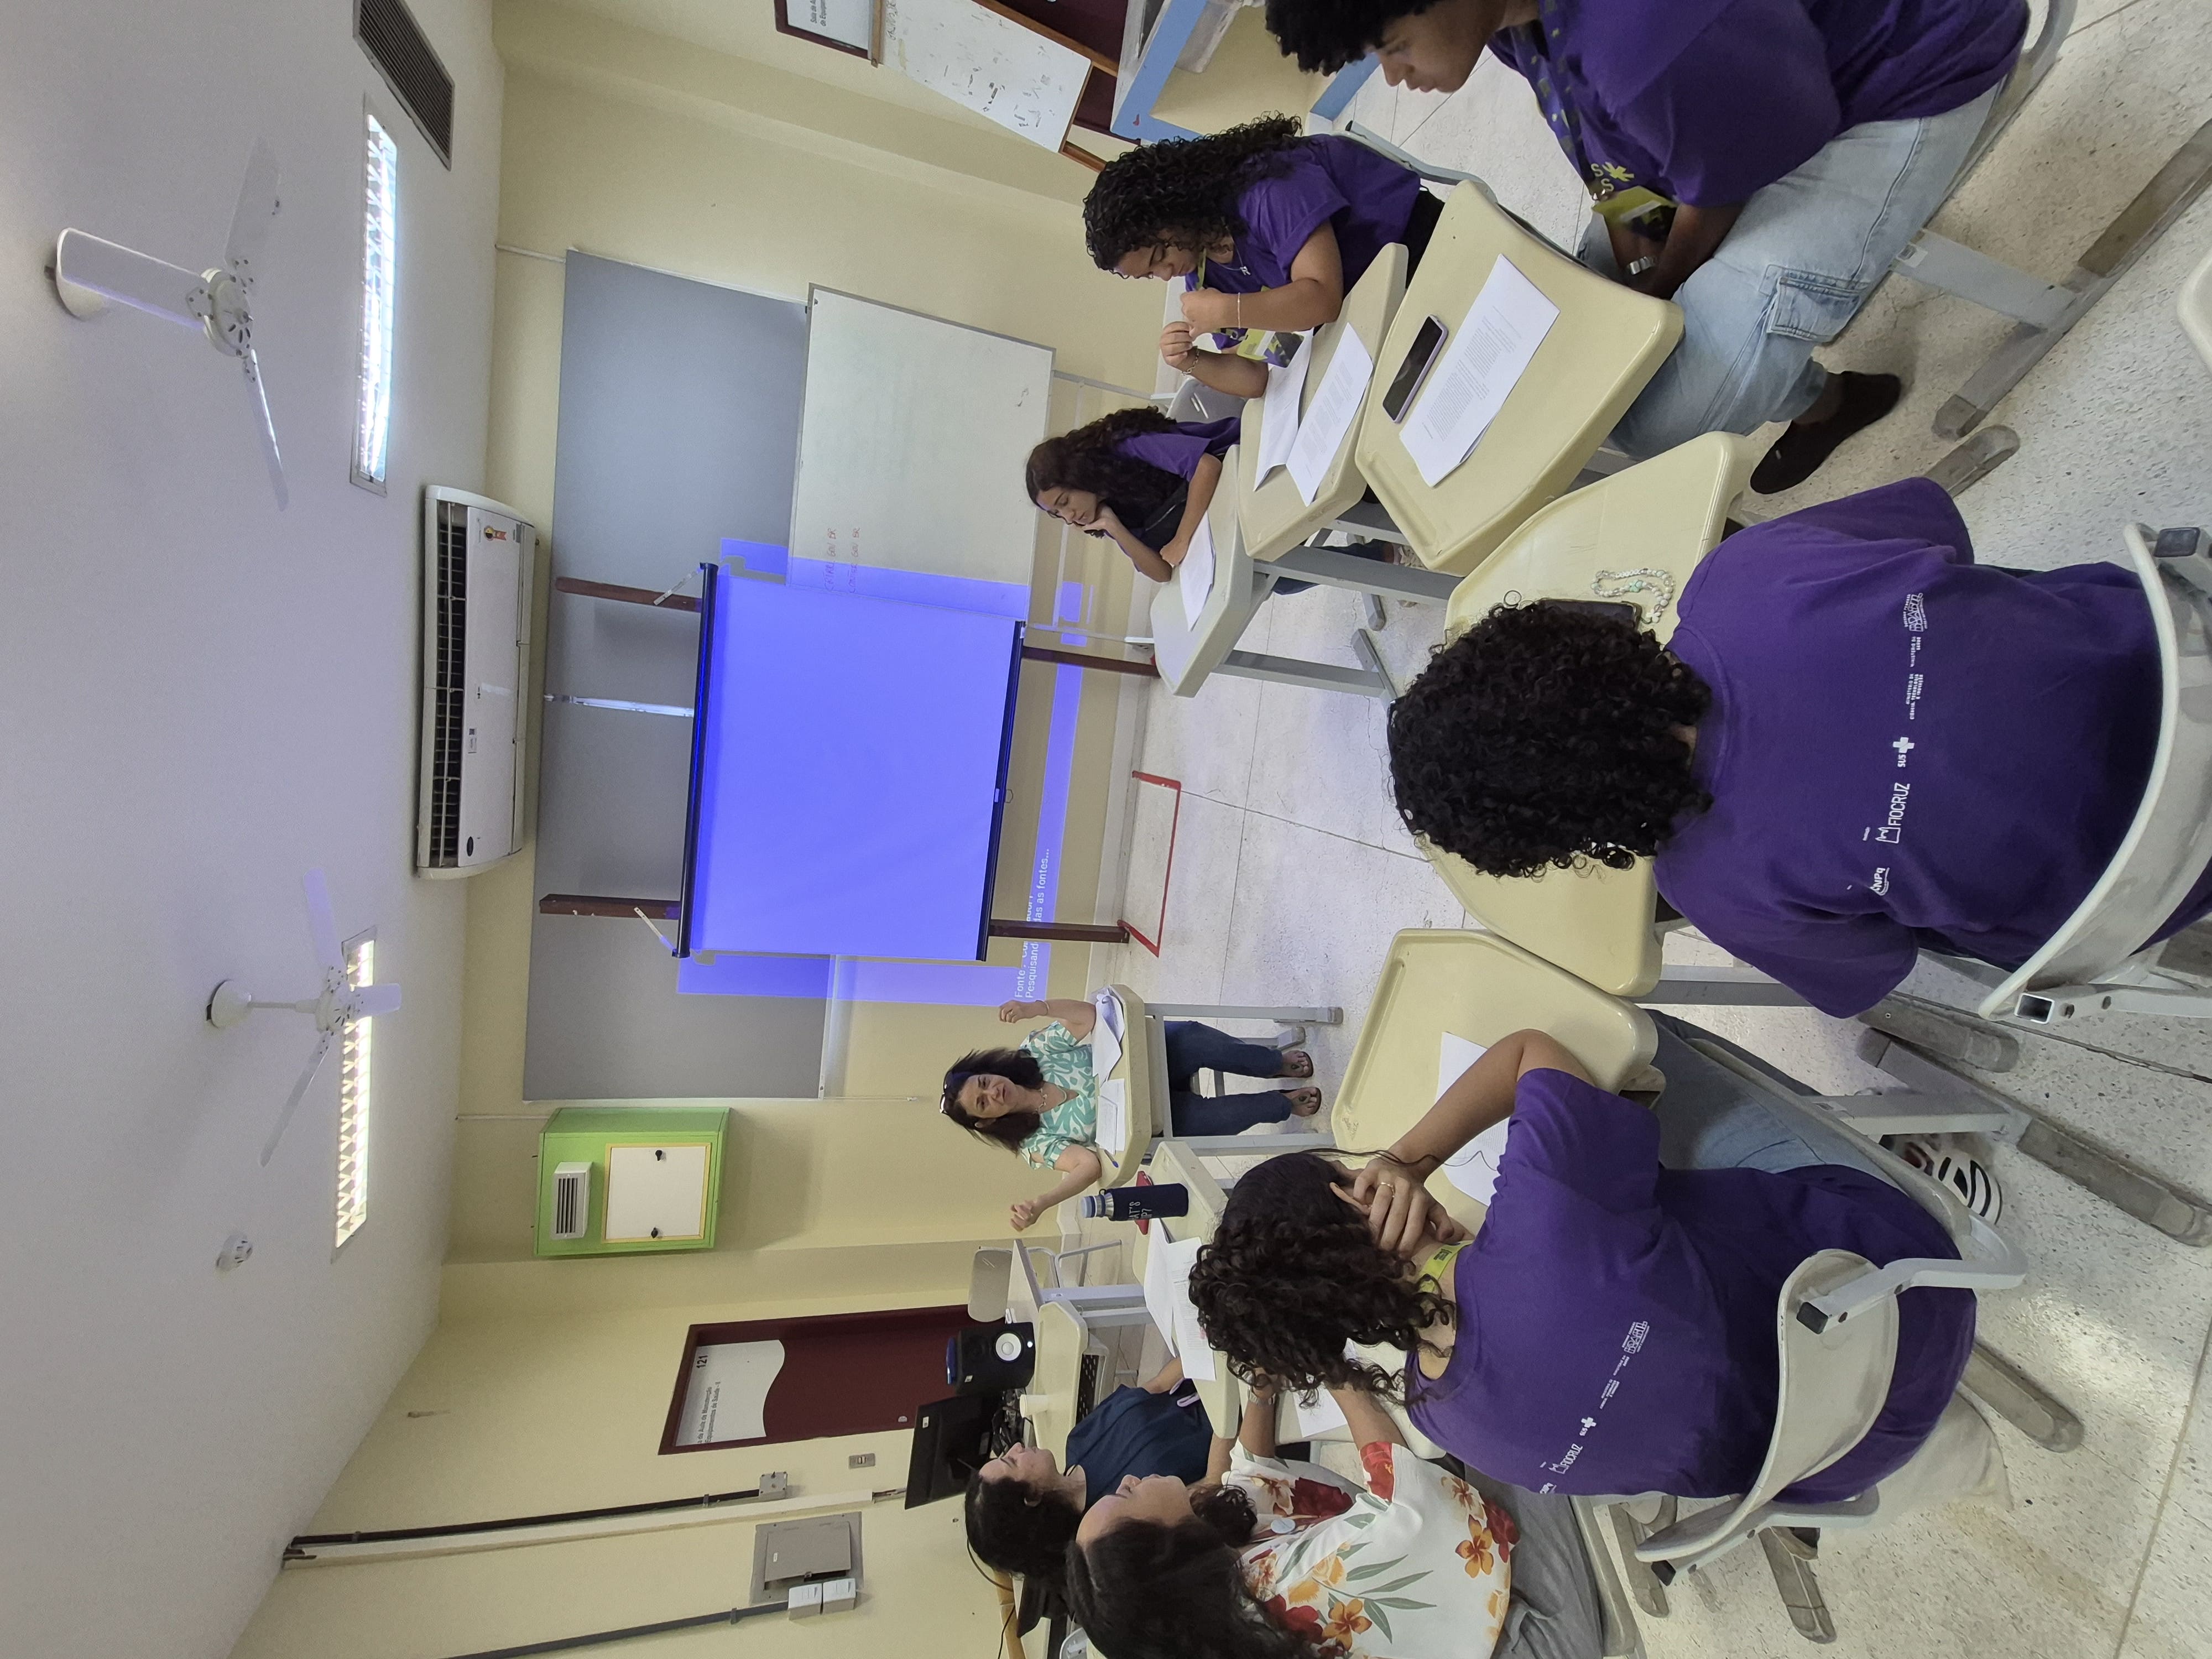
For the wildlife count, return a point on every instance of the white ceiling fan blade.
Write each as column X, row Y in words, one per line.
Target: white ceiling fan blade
column 130, row 277
column 374, row 999
column 256, row 212
column 299, row 1094
column 257, row 395
column 321, row 923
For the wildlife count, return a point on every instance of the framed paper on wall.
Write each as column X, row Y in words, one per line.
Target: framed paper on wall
column 847, row 25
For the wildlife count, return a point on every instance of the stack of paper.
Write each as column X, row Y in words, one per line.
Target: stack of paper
column 1335, row 406
column 1195, row 576
column 1473, row 1168
column 1485, row 361
column 1105, row 1034
column 1278, row 412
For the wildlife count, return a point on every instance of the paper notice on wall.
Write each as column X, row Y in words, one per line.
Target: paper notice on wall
column 1328, row 423
column 1494, row 346
column 1278, row 413
column 1195, row 576
column 727, row 1398
column 1473, row 1168
column 1113, row 1115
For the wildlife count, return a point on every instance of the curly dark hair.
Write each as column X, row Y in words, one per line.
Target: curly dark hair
column 1292, row 1276
column 1182, row 192
column 1019, row 1067
column 1546, row 733
column 1086, row 458
column 1147, row 1591
column 1324, row 35
column 1013, row 1527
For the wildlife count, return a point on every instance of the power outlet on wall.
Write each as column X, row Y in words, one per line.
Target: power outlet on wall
column 861, row 1461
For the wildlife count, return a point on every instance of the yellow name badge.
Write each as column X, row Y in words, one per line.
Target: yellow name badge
column 1618, row 206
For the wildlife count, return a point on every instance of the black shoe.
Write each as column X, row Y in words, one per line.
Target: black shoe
column 1798, row 453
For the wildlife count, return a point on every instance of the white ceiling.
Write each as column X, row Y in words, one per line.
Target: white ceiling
column 200, row 697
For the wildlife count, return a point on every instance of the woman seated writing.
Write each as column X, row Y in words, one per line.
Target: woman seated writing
column 1857, row 742
column 1610, row 1328
column 1759, row 162
column 1144, row 482
column 1041, row 1100
column 1416, row 1563
column 1266, row 228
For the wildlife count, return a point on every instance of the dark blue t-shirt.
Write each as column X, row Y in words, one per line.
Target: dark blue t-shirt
column 1617, row 1319
column 1904, row 748
column 1135, row 1431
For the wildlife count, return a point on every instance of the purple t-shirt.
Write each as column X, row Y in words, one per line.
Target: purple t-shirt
column 1617, row 1319
column 1179, row 452
column 1366, row 197
column 1708, row 101
column 1904, row 748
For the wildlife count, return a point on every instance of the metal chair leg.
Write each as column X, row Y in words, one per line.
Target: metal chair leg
column 1645, row 1588
column 2020, row 1400
column 1799, row 1589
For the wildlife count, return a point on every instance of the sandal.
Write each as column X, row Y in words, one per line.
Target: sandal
column 1296, row 1062
column 1304, row 1102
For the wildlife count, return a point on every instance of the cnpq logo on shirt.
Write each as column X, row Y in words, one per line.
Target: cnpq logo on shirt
column 1916, row 613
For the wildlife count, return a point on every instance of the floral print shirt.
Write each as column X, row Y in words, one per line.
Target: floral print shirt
column 1418, row 1565
column 1074, row 1122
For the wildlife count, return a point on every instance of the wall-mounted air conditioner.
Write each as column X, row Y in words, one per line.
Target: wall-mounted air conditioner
column 477, row 560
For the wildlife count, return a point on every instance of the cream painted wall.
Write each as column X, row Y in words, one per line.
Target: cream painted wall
column 1249, row 75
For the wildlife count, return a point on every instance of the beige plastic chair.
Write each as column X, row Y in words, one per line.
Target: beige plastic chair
column 1275, row 517
column 2195, row 306
column 1479, row 986
column 1663, row 515
column 1606, row 343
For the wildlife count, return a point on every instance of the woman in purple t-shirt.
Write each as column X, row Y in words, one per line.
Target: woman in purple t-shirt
column 1759, row 162
column 1856, row 743
column 1266, row 228
column 1610, row 1328
column 1144, row 481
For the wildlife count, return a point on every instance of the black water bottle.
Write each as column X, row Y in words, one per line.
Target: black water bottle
column 1139, row 1203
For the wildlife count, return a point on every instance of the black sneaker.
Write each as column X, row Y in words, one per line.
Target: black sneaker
column 1799, row 452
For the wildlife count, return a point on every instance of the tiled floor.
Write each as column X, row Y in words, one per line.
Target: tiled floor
column 1292, row 874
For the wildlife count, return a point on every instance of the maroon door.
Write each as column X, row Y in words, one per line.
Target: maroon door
column 834, row 1374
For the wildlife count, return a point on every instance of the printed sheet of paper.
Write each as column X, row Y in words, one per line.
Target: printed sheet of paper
column 1113, row 1115
column 1485, row 361
column 1319, row 1417
column 1328, row 421
column 727, row 1396
column 1105, row 1037
column 1195, row 576
column 1473, row 1168
column 1278, row 412
column 1168, row 1263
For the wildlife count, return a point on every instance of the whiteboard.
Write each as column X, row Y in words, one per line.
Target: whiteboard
column 912, row 436
column 990, row 63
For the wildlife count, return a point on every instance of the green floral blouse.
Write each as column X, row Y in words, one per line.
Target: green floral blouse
column 1065, row 1062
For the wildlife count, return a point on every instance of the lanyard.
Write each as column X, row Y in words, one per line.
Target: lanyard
column 1613, row 190
column 1262, row 345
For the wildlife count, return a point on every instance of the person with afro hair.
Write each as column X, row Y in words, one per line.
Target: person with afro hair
column 1856, row 743
column 1265, row 229
column 1759, row 162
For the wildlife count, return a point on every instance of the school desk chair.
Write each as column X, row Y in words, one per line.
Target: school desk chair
column 1605, row 926
column 1606, row 341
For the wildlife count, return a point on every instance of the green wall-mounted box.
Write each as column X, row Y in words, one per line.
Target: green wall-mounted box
column 620, row 1181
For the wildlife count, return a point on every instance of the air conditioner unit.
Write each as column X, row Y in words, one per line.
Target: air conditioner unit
column 477, row 560
column 572, row 1200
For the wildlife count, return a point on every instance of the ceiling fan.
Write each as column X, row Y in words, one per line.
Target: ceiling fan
column 89, row 272
column 338, row 1005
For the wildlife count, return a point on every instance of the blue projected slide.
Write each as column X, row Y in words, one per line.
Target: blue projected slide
column 849, row 770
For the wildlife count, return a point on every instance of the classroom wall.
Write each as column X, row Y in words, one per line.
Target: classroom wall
column 1248, row 76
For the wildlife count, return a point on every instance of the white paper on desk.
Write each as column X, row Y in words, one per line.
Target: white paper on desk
column 1195, row 576
column 1473, row 1168
column 1110, row 1013
column 1485, row 361
column 1113, row 1113
column 1278, row 412
column 1319, row 1417
column 1105, row 1052
column 1167, row 1301
column 1335, row 406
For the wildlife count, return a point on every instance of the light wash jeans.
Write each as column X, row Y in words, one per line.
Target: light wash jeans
column 1807, row 250
column 1712, row 1119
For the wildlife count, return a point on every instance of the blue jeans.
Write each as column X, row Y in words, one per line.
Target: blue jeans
column 1712, row 1119
column 1794, row 269
column 1192, row 1048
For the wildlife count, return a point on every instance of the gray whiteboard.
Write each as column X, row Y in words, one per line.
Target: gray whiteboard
column 678, row 426
column 912, row 441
